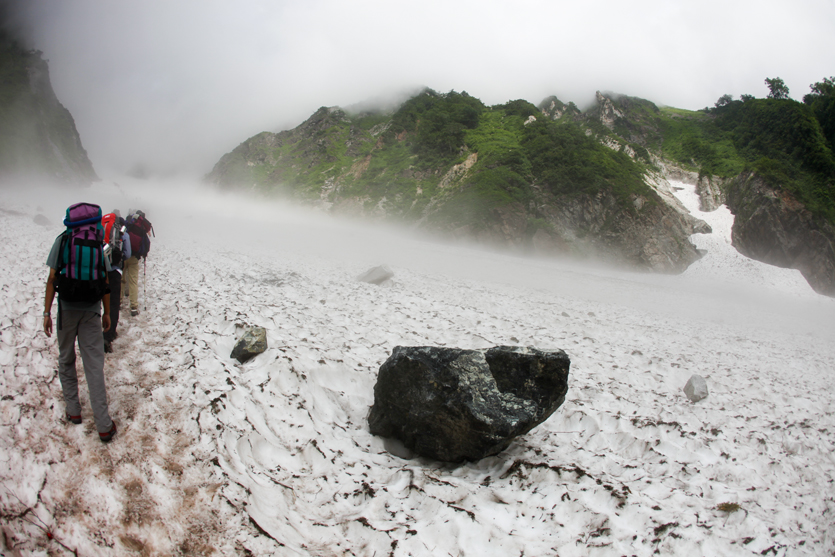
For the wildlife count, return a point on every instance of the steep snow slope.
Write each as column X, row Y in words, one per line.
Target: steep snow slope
column 273, row 457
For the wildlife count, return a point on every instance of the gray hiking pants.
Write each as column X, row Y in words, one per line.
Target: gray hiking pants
column 115, row 278
column 85, row 326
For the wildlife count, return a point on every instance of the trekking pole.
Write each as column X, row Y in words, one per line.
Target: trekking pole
column 145, row 283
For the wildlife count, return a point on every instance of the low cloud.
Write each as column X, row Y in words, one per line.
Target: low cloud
column 173, row 86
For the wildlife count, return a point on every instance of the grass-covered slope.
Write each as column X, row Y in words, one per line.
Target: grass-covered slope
column 447, row 148
column 38, row 136
column 518, row 173
column 783, row 141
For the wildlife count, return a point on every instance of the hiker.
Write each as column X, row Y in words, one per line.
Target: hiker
column 78, row 272
column 116, row 250
column 138, row 228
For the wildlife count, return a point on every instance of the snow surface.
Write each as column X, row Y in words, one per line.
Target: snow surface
column 274, row 457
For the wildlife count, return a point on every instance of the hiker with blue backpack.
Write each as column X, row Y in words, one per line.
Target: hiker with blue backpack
column 138, row 228
column 78, row 273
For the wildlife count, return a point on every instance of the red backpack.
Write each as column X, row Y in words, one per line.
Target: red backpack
column 138, row 229
column 113, row 237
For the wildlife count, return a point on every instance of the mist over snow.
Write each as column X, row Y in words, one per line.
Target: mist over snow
column 274, row 457
column 168, row 87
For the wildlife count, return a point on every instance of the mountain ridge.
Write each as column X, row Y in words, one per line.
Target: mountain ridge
column 544, row 178
column 38, row 136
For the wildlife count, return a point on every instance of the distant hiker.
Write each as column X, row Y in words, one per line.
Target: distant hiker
column 116, row 250
column 78, row 272
column 140, row 244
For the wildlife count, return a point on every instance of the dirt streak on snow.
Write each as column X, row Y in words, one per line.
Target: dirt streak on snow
column 273, row 457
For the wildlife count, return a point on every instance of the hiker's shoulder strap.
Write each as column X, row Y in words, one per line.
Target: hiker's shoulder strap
column 59, row 261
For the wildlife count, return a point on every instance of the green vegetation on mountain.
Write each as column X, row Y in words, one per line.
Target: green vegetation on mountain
column 694, row 141
column 449, row 160
column 783, row 142
column 437, row 124
column 787, row 143
column 822, row 102
column 402, row 158
column 568, row 161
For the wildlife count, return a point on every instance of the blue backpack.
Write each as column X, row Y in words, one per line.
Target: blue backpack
column 82, row 276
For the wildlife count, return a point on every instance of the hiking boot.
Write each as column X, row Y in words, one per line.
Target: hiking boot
column 74, row 419
column 108, row 347
column 107, row 436
column 134, row 312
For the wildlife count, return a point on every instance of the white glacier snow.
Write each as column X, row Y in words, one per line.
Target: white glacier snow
column 274, row 457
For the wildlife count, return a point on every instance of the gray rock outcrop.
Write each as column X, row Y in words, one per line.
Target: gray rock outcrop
column 252, row 343
column 376, row 275
column 452, row 404
column 38, row 134
column 654, row 236
column 771, row 226
column 696, row 388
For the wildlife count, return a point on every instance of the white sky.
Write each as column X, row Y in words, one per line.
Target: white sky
column 175, row 85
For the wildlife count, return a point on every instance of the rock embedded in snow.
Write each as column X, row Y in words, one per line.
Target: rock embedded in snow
column 696, row 388
column 377, row 275
column 452, row 404
column 252, row 343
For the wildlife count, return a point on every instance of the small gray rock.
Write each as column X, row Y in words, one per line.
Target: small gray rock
column 41, row 220
column 377, row 275
column 252, row 343
column 696, row 388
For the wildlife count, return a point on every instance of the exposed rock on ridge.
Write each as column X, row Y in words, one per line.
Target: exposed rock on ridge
column 771, row 226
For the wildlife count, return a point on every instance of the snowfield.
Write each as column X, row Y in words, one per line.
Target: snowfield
column 274, row 457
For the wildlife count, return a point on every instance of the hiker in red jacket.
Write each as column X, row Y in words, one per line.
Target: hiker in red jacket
column 116, row 251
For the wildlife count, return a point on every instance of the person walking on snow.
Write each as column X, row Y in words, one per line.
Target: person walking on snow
column 117, row 250
column 78, row 273
column 140, row 244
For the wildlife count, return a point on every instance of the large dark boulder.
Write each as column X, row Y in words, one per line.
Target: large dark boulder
column 452, row 404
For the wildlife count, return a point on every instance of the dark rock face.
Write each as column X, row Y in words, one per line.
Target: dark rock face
column 653, row 237
column 773, row 227
column 452, row 404
column 38, row 137
column 252, row 343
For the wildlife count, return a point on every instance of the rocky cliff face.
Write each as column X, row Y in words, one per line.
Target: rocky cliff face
column 771, row 226
column 653, row 236
column 709, row 188
column 38, row 137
